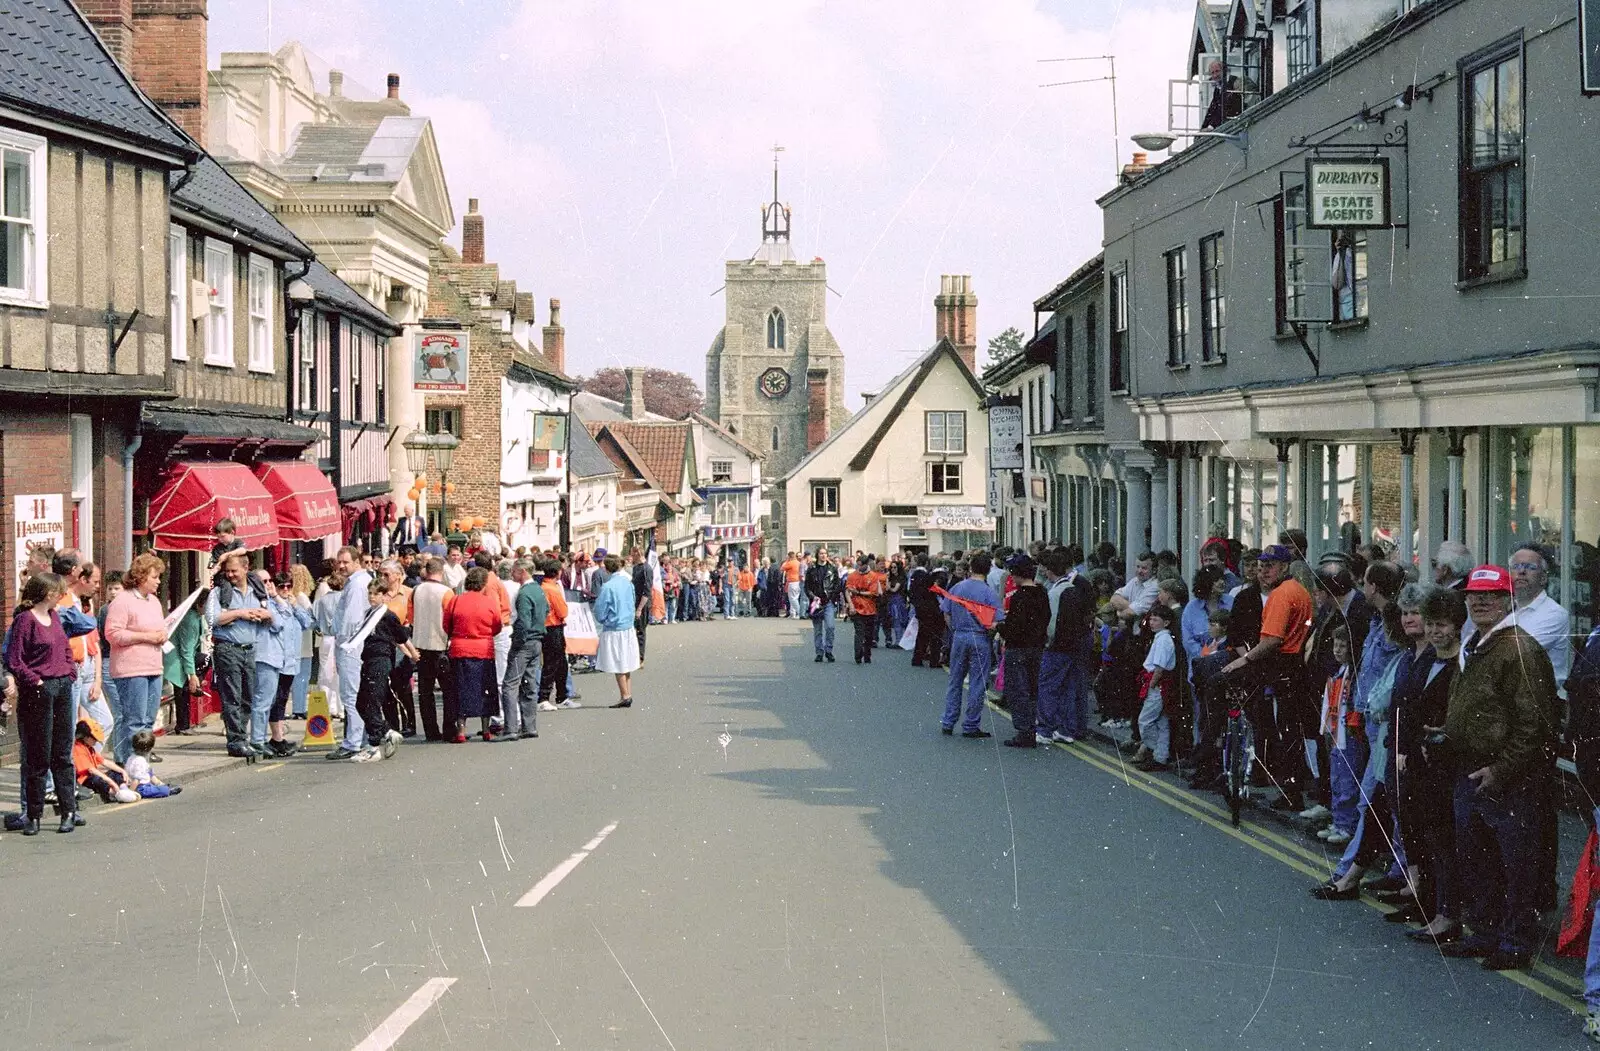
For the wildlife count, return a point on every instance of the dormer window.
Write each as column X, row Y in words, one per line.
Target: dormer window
column 776, row 337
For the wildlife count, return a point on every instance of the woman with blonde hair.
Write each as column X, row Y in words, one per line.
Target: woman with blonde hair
column 136, row 629
column 301, row 587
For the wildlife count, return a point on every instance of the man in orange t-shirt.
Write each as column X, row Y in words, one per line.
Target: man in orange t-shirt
column 791, row 583
column 1275, row 662
column 862, row 589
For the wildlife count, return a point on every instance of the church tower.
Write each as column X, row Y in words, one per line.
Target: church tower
column 774, row 375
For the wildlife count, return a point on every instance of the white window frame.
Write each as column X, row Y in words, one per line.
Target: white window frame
column 944, row 446
column 36, row 242
column 818, row 488
column 259, row 356
column 726, row 474
column 81, row 428
column 178, row 291
column 942, row 467
column 219, row 312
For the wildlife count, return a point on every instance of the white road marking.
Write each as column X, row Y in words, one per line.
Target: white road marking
column 392, row 1028
column 563, row 870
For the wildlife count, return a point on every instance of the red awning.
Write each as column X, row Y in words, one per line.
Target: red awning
column 196, row 495
column 302, row 497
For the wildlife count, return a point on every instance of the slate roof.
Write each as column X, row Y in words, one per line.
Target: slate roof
column 584, row 458
column 214, row 194
column 52, row 64
column 334, row 292
column 354, row 152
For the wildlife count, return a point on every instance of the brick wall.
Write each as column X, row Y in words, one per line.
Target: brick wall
column 35, row 459
column 113, row 21
column 169, row 59
column 1385, row 491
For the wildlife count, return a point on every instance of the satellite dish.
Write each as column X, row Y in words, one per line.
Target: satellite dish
column 1154, row 140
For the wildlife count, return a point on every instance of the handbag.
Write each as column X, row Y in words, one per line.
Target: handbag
column 908, row 639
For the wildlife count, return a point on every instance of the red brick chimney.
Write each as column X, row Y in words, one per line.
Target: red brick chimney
column 394, row 85
column 555, row 339
column 169, row 59
column 816, row 408
column 113, row 20
column 472, row 233
column 955, row 314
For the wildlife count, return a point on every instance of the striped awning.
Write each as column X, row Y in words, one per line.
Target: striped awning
column 730, row 532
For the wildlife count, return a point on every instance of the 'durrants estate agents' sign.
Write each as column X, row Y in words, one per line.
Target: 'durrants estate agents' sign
column 1348, row 193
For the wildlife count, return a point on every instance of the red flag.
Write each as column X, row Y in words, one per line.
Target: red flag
column 982, row 612
column 1574, row 938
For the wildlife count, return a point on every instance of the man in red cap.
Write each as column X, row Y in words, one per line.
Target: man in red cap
column 1500, row 736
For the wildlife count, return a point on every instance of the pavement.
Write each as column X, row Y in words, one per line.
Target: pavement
column 763, row 852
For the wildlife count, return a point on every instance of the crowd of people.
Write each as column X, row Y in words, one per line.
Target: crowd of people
column 1412, row 716
column 451, row 633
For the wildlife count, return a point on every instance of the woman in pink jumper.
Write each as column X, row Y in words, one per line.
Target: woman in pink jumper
column 136, row 629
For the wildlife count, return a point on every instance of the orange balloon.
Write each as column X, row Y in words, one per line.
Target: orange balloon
column 450, row 487
column 420, row 479
column 478, row 523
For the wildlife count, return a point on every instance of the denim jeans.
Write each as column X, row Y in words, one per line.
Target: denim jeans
column 728, row 599
column 261, row 701
column 302, row 683
column 1022, row 687
column 822, row 628
column 1496, row 838
column 969, row 664
column 355, row 737
column 1155, row 729
column 672, row 606
column 233, row 675
column 1346, row 767
column 1064, row 692
column 46, row 717
column 138, row 699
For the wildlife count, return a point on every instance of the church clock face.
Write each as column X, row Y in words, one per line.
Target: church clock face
column 774, row 383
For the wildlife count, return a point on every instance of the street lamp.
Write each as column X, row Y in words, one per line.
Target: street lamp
column 437, row 451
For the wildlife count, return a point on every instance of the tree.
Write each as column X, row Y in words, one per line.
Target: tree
column 666, row 393
column 1007, row 344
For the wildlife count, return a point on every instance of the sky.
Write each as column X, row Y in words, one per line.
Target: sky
column 621, row 149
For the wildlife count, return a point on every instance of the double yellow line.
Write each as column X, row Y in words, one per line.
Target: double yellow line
column 1552, row 984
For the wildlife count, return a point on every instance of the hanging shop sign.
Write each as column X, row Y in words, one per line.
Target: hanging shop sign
column 550, row 431
column 439, row 361
column 1005, row 437
column 40, row 523
column 1348, row 193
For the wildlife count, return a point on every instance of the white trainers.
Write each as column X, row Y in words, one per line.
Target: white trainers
column 367, row 755
column 1591, row 1026
column 1043, row 739
column 1315, row 812
column 1337, row 838
column 391, row 741
column 1060, row 738
column 546, row 706
column 569, row 703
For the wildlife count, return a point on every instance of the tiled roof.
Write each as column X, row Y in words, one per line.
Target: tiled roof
column 333, row 291
column 584, row 457
column 214, row 194
column 662, row 445
column 354, row 152
column 51, row 63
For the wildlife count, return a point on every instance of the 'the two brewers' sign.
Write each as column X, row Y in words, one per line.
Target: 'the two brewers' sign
column 1348, row 193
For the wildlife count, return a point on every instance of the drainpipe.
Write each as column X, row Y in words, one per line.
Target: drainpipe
column 128, row 454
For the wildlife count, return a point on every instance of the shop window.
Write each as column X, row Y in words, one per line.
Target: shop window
column 307, row 339
column 1492, row 196
column 824, row 499
column 1118, row 346
column 944, row 478
column 946, row 433
column 1349, row 276
column 24, row 235
column 1213, row 300
column 178, row 292
column 219, row 303
column 729, row 508
column 258, row 301
column 1177, row 307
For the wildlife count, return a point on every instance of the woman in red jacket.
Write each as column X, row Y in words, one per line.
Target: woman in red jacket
column 472, row 621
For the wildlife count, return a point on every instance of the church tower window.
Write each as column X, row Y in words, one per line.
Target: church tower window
column 774, row 439
column 776, row 339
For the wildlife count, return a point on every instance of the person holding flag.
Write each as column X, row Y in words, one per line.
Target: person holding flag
column 971, row 608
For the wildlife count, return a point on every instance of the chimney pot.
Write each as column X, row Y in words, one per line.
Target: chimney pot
column 168, row 50
column 555, row 339
column 394, row 85
column 335, row 83
column 955, row 313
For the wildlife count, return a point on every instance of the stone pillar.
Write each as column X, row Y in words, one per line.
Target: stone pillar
column 1330, row 504
column 1256, row 509
column 1158, row 507
column 1283, row 515
column 1456, row 507
column 1138, row 517
column 1173, row 529
column 1364, row 490
column 1408, row 457
column 1194, row 498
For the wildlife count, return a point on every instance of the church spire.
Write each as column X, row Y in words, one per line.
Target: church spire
column 775, row 223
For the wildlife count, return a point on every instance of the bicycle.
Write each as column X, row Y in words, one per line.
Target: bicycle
column 1238, row 748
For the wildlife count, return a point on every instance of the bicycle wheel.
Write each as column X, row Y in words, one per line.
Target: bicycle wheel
column 1236, row 768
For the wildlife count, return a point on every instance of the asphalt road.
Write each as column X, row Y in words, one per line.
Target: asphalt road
column 798, row 860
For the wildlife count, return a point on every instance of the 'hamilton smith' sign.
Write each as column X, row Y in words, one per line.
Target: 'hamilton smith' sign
column 1348, row 193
